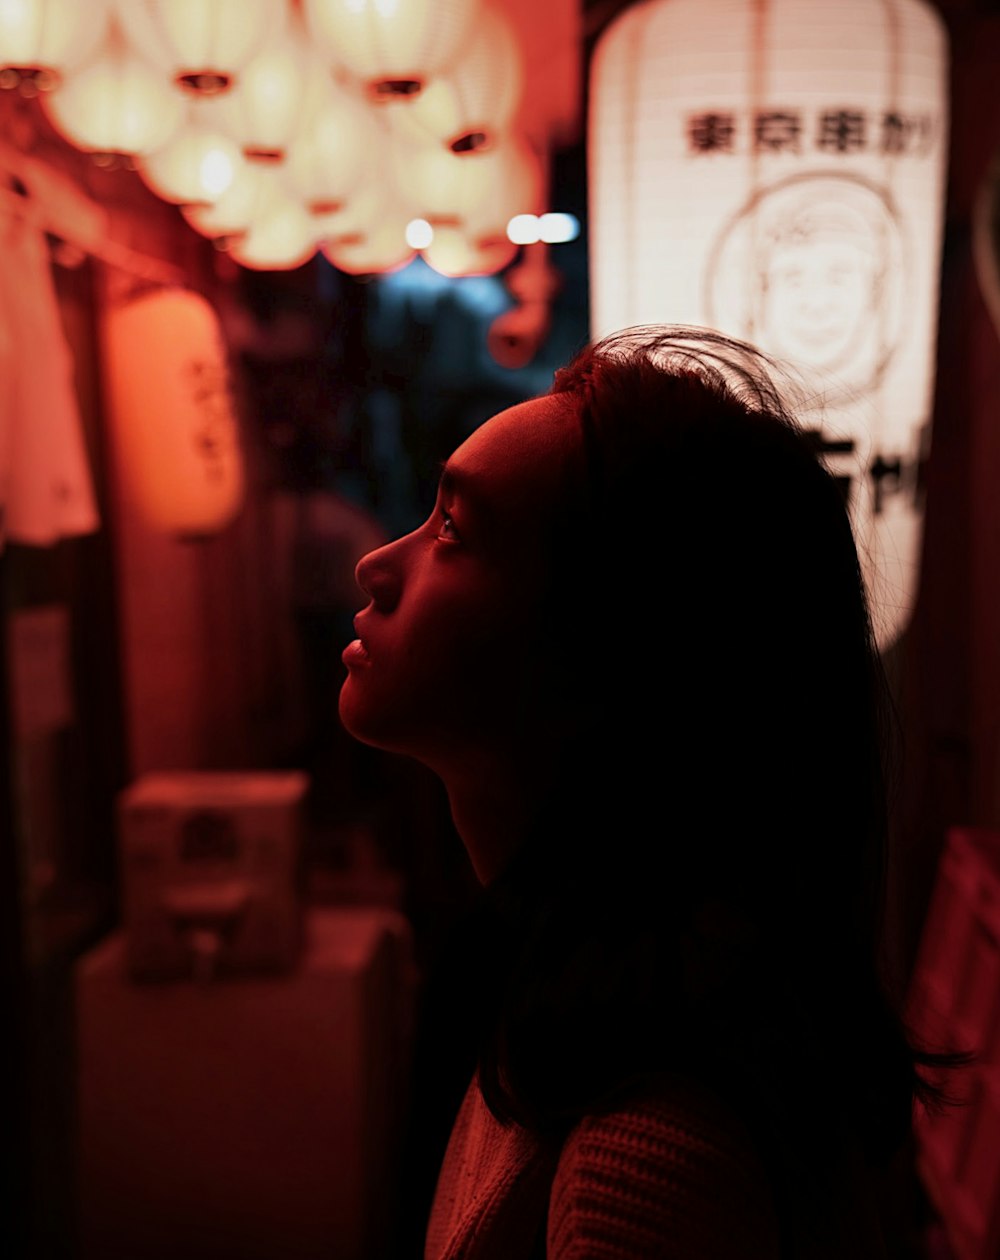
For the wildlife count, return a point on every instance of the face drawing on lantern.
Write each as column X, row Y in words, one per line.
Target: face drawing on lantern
column 811, row 269
column 447, row 659
column 820, row 275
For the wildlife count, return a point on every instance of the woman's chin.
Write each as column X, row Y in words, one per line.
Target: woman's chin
column 351, row 711
column 362, row 719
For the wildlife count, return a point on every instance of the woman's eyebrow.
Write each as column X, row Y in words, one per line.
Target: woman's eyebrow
column 454, row 481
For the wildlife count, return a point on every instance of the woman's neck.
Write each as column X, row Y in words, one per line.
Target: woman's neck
column 492, row 805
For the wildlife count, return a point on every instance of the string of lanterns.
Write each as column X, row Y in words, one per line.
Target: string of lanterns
column 368, row 129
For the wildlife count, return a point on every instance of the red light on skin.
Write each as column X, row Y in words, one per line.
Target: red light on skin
column 448, row 662
column 355, row 654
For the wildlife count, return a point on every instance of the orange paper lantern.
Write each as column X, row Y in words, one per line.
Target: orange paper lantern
column 172, row 412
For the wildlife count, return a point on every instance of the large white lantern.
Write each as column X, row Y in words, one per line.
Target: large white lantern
column 776, row 171
column 201, row 44
column 41, row 39
column 393, row 46
column 172, row 412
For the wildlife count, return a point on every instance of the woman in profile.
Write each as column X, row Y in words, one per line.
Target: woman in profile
column 633, row 641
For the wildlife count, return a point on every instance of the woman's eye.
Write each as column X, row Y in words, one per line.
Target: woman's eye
column 447, row 529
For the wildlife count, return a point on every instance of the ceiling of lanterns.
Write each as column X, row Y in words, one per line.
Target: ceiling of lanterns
column 283, row 127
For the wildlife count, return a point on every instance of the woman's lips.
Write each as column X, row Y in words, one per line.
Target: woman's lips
column 354, row 654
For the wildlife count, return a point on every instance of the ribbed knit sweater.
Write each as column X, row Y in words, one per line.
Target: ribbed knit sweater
column 671, row 1176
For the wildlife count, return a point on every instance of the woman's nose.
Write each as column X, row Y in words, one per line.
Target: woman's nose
column 378, row 575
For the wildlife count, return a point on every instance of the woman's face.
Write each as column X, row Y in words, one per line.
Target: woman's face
column 447, row 659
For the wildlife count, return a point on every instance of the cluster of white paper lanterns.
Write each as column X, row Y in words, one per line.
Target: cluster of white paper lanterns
column 286, row 126
column 776, row 171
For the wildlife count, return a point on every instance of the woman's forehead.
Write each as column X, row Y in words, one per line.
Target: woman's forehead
column 529, row 445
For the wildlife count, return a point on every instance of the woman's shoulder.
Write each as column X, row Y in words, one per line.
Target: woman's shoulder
column 669, row 1170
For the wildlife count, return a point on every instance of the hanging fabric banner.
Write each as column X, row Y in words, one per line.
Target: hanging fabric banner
column 46, row 491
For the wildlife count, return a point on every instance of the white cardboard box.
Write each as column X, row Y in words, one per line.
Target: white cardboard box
column 245, row 1119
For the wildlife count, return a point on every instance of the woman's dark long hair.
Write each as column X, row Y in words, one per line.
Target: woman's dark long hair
column 702, row 893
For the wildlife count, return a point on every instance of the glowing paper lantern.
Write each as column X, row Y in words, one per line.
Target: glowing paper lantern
column 776, row 171
column 277, row 91
column 201, row 44
column 480, row 190
column 474, row 103
column 452, row 253
column 369, row 235
column 41, row 39
column 195, row 167
column 283, row 235
column 393, row 46
column 266, row 229
column 517, row 187
column 241, row 203
column 172, row 412
column 326, row 159
column 115, row 104
column 373, row 250
column 379, row 248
